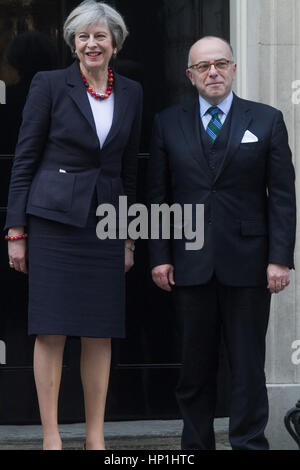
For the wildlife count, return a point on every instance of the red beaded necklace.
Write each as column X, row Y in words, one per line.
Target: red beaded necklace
column 100, row 96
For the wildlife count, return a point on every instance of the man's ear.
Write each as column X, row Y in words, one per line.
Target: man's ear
column 190, row 76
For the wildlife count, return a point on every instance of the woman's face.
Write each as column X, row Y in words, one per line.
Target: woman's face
column 94, row 46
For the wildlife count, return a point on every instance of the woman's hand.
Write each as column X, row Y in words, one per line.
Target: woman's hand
column 17, row 250
column 129, row 256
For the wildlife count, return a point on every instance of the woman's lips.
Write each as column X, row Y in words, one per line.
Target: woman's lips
column 93, row 54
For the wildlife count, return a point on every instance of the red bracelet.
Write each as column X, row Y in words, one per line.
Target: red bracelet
column 17, row 237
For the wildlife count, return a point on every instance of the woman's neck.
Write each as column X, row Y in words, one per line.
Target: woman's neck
column 96, row 78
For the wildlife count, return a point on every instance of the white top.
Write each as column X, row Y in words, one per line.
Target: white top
column 103, row 111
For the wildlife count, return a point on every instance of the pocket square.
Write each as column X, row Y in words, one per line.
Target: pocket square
column 249, row 137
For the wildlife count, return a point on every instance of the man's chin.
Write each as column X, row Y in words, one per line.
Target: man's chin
column 216, row 96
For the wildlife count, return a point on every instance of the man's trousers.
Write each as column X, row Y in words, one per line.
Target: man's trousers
column 241, row 315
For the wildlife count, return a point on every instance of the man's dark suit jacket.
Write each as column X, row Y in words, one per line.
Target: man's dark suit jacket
column 59, row 133
column 250, row 214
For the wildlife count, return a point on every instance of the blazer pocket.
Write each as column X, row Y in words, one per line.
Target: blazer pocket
column 251, row 145
column 54, row 191
column 253, row 228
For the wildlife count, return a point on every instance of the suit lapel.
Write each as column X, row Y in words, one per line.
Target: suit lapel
column 190, row 124
column 240, row 120
column 78, row 94
column 121, row 97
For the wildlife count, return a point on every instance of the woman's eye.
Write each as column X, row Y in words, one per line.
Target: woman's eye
column 84, row 37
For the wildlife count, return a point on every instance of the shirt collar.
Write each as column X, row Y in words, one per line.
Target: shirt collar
column 224, row 106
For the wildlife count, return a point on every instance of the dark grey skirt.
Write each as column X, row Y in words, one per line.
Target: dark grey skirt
column 76, row 281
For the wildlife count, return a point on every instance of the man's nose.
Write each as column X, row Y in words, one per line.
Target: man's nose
column 212, row 71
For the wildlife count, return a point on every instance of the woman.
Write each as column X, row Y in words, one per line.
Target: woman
column 77, row 148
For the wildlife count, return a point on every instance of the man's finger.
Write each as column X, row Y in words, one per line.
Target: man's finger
column 165, row 283
column 171, row 277
column 278, row 286
column 162, row 282
column 271, row 286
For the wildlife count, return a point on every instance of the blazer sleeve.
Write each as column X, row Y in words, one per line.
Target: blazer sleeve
column 129, row 161
column 281, row 197
column 158, row 192
column 32, row 137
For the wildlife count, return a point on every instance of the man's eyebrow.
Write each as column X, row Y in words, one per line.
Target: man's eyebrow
column 215, row 60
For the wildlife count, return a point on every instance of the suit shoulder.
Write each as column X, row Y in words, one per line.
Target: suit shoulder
column 257, row 107
column 49, row 76
column 166, row 113
column 52, row 74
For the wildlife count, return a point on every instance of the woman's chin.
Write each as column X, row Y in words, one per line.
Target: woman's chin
column 94, row 64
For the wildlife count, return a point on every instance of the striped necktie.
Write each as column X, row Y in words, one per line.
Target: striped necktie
column 215, row 125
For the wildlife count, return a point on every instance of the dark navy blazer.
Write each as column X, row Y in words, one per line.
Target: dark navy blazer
column 58, row 133
column 250, row 213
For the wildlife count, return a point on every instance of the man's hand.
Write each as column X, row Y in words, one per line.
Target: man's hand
column 129, row 257
column 278, row 277
column 163, row 276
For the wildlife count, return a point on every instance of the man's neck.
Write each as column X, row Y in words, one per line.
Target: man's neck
column 216, row 101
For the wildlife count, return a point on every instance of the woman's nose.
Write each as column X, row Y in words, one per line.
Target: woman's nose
column 91, row 41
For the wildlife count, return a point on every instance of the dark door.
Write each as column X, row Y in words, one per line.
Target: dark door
column 146, row 365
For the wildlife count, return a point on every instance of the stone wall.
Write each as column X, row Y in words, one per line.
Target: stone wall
column 265, row 35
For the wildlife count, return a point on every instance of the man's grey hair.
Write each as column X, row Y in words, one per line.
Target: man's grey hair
column 212, row 37
column 89, row 13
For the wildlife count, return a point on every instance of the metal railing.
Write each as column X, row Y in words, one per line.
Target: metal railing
column 292, row 423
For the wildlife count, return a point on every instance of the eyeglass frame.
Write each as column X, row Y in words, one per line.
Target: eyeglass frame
column 194, row 67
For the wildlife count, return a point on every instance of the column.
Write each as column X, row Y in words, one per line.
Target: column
column 266, row 38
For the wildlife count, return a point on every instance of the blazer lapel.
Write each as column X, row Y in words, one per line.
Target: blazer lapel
column 240, row 120
column 121, row 97
column 78, row 94
column 190, row 123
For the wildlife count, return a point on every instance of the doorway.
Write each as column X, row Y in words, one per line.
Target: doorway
column 145, row 366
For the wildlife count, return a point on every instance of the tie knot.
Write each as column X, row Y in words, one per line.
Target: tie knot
column 213, row 111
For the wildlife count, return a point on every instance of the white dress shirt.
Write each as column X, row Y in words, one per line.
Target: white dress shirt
column 103, row 111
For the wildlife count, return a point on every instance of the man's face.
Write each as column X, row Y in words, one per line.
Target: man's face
column 214, row 84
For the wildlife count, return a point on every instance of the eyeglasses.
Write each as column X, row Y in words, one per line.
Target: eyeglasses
column 220, row 65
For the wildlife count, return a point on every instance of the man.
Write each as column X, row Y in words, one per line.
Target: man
column 231, row 155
